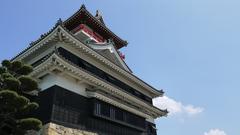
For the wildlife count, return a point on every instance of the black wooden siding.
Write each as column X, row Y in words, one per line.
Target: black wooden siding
column 69, row 109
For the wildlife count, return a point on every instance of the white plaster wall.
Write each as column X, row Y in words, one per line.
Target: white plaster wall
column 69, row 83
column 63, row 81
column 104, row 68
column 50, row 47
column 47, row 82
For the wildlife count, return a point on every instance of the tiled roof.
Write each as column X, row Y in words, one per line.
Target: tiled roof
column 96, row 22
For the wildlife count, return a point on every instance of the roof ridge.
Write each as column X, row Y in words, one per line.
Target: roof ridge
column 76, row 66
column 83, row 9
column 70, row 34
column 42, row 36
column 99, row 17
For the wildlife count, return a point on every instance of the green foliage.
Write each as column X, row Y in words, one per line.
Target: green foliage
column 3, row 70
column 14, row 106
column 25, row 70
column 28, row 84
column 28, row 108
column 8, row 101
column 11, row 101
column 22, row 101
column 6, row 63
column 11, row 83
column 30, row 124
column 6, row 94
column 6, row 75
column 16, row 65
column 31, row 106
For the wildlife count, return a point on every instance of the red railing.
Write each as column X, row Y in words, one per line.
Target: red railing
column 93, row 34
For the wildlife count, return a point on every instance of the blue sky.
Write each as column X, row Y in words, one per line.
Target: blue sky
column 189, row 48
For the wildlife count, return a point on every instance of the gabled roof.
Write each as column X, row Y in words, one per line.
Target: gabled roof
column 59, row 31
column 96, row 23
column 53, row 58
column 33, row 43
column 108, row 50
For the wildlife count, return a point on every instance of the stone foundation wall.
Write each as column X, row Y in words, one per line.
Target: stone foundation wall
column 55, row 129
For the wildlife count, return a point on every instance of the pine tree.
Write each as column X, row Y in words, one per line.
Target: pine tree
column 15, row 107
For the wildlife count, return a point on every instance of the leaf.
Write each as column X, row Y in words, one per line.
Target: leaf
column 22, row 101
column 16, row 65
column 6, row 63
column 13, row 105
column 30, row 124
column 30, row 107
column 11, row 83
column 3, row 70
column 8, row 102
column 7, row 94
column 25, row 70
column 7, row 75
column 28, row 84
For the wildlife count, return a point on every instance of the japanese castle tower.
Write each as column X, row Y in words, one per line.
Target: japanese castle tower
column 86, row 87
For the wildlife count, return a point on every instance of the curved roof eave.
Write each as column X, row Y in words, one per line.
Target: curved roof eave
column 59, row 25
column 85, row 11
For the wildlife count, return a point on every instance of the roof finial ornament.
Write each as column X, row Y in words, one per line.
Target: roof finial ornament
column 98, row 13
column 99, row 17
column 60, row 36
column 59, row 22
column 83, row 6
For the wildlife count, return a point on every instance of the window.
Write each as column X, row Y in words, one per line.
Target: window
column 98, row 108
column 112, row 113
column 105, row 110
column 101, row 74
column 65, row 115
column 119, row 115
column 116, row 114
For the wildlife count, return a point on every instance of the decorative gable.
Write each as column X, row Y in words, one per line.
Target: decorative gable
column 108, row 50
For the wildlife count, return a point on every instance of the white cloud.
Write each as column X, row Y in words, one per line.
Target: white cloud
column 190, row 109
column 175, row 107
column 215, row 132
